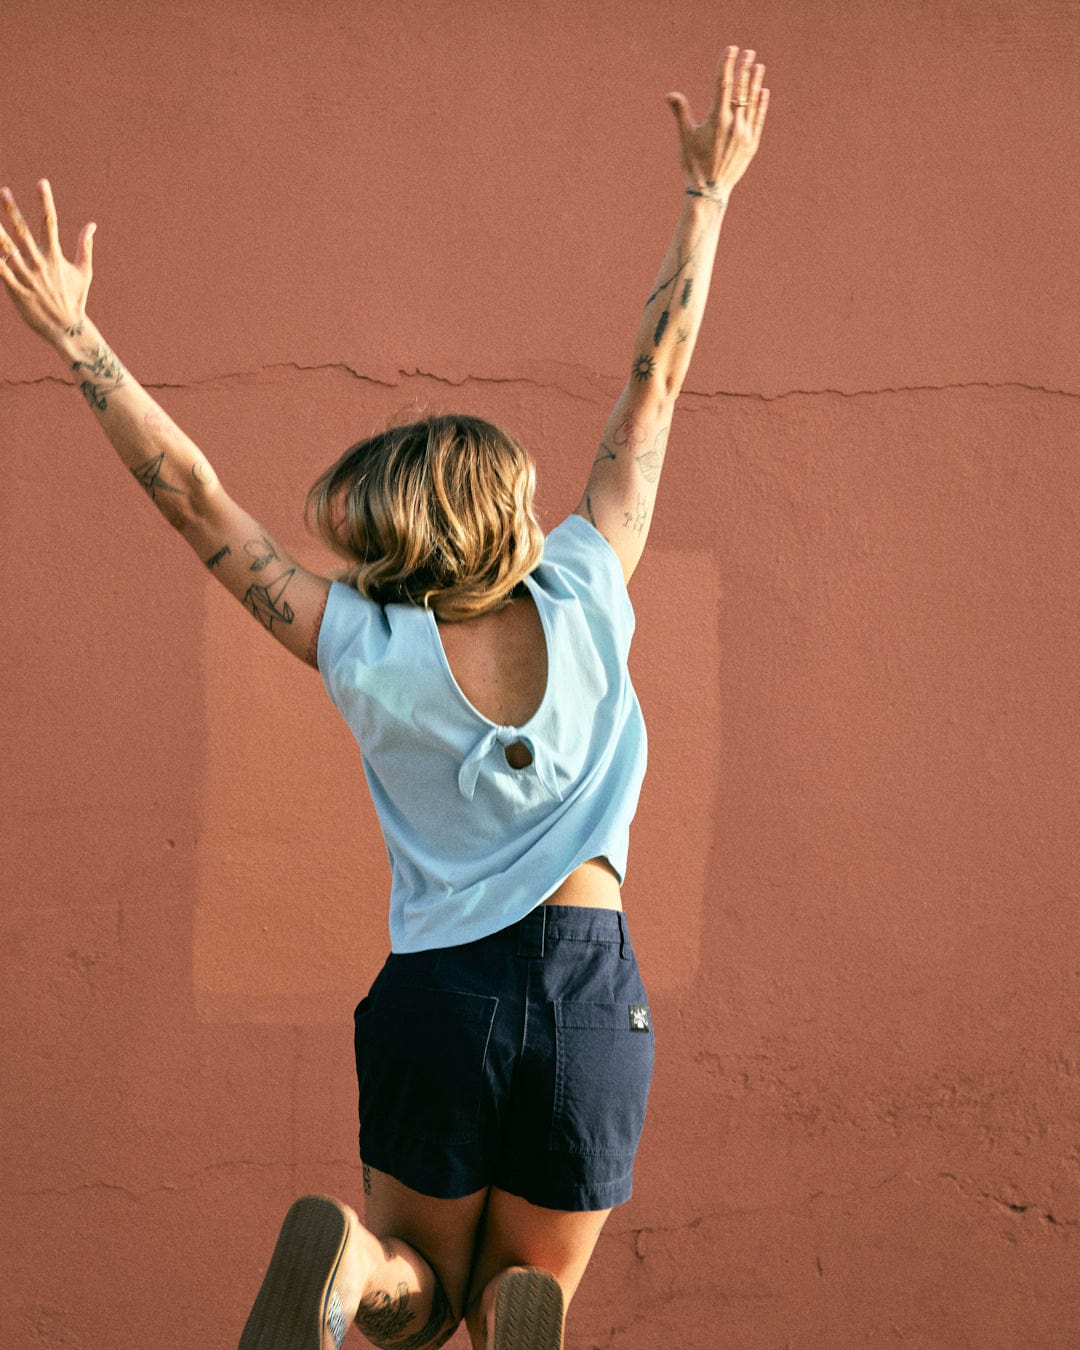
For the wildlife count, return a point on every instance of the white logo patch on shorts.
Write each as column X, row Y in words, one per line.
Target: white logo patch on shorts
column 639, row 1017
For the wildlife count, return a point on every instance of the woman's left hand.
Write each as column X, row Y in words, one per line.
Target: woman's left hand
column 48, row 291
column 717, row 152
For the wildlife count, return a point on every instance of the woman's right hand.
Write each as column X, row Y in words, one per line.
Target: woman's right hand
column 48, row 291
column 717, row 152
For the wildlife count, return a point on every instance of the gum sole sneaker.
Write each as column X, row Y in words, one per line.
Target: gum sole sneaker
column 528, row 1312
column 297, row 1298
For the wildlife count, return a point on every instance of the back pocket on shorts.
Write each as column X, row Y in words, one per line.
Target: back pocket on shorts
column 602, row 1076
column 420, row 1060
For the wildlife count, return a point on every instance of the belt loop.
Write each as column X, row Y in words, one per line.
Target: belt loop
column 624, row 937
column 531, row 931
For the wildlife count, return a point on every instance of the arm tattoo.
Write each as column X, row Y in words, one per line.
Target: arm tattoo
column 661, row 326
column 261, row 552
column 684, row 263
column 108, row 376
column 681, row 335
column 266, row 604
column 651, row 461
column 588, row 509
column 688, row 286
column 605, row 452
column 643, row 367
column 635, row 520
column 222, row 552
column 711, row 194
column 149, row 475
column 628, row 433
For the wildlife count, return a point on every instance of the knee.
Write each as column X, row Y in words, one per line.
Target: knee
column 391, row 1322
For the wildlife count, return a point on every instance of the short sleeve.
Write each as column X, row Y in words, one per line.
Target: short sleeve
column 350, row 624
column 590, row 566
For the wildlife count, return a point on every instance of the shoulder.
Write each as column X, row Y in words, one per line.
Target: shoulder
column 577, row 548
column 579, row 563
column 353, row 628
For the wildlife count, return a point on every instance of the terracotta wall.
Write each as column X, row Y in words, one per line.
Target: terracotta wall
column 854, row 878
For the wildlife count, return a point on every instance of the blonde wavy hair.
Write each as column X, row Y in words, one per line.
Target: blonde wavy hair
column 437, row 513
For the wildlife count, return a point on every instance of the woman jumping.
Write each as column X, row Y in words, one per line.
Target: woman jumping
column 505, row 1050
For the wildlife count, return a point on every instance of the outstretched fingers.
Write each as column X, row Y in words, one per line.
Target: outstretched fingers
column 756, row 77
column 50, row 233
column 12, row 269
column 719, row 150
column 84, row 250
column 20, row 232
column 50, row 238
column 759, row 113
column 725, row 82
column 48, row 290
column 741, row 102
column 679, row 106
column 749, row 112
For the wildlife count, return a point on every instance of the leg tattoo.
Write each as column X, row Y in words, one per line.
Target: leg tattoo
column 385, row 1320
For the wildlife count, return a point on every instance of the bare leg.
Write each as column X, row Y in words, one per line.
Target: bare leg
column 518, row 1235
column 409, row 1273
column 328, row 1269
column 419, row 1264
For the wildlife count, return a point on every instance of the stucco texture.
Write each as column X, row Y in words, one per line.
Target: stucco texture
column 854, row 874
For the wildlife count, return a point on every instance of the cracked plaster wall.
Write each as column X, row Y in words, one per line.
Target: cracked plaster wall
column 854, row 874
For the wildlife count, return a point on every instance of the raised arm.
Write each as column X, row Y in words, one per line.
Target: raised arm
column 50, row 294
column 621, row 491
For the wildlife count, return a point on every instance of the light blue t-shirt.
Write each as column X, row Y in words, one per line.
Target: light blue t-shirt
column 475, row 844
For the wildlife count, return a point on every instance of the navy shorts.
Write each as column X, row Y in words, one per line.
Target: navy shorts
column 521, row 1061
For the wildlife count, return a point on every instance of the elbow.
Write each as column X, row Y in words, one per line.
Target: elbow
column 205, row 492
column 672, row 374
column 660, row 386
column 198, row 503
column 665, row 389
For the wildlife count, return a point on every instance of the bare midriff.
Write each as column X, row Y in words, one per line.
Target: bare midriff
column 593, row 885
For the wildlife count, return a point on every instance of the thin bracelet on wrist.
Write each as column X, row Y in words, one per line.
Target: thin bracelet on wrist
column 710, row 192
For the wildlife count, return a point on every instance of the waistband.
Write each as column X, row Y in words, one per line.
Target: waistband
column 548, row 925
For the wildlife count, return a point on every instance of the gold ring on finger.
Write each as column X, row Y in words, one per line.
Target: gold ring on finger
column 739, row 102
column 14, row 254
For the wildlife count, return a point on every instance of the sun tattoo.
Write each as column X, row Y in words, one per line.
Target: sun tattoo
column 643, row 367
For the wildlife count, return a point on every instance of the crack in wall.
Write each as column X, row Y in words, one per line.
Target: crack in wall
column 636, row 1233
column 1045, row 1216
column 852, row 1191
column 899, row 389
column 502, row 379
column 417, row 373
column 188, row 1182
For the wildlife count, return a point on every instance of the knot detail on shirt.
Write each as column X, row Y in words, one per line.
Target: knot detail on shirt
column 500, row 738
